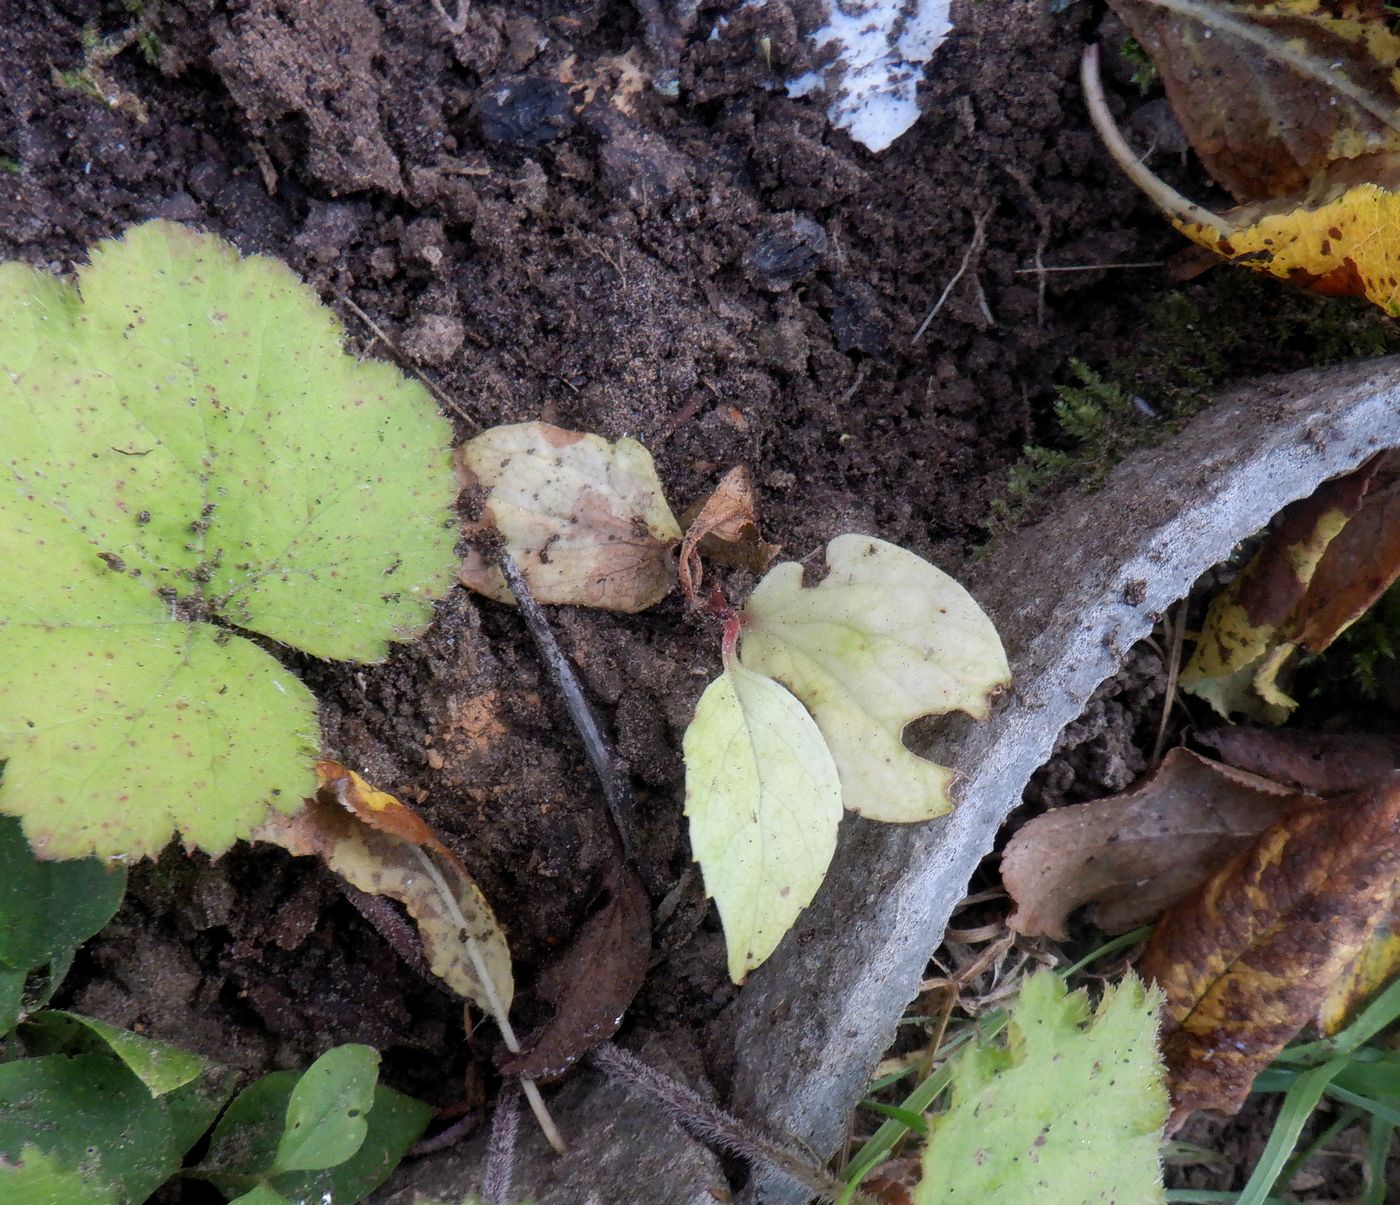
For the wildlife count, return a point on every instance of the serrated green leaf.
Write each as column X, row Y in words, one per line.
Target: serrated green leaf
column 764, row 802
column 245, row 1142
column 92, row 1118
column 188, row 449
column 883, row 639
column 49, row 907
column 1070, row 1110
column 326, row 1112
column 158, row 1065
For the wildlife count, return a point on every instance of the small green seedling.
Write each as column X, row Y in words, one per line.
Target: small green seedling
column 819, row 684
column 92, row 1114
column 194, row 472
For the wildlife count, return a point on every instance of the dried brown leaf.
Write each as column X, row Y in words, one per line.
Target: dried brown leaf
column 726, row 528
column 381, row 846
column 1272, row 93
column 1134, row 854
column 1317, row 763
column 1250, row 958
column 584, row 519
column 592, row 983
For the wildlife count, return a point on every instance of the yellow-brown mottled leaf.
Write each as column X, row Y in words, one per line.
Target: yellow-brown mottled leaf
column 584, row 519
column 1250, row 958
column 1272, row 93
column 1347, row 247
column 381, row 846
column 1248, row 622
column 1374, row 965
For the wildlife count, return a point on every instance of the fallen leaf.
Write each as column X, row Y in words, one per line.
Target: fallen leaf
column 1293, row 107
column 584, row 519
column 592, row 983
column 725, row 527
column 1358, row 567
column 883, row 639
column 1372, row 967
column 1069, row 1108
column 380, row 845
column 1272, row 94
column 1135, row 854
column 1250, row 958
column 1318, row 763
column 764, row 800
column 1236, row 658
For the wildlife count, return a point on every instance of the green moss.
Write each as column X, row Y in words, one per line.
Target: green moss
column 1193, row 342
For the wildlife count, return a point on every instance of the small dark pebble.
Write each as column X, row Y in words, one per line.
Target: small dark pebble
column 856, row 320
column 787, row 250
column 525, row 111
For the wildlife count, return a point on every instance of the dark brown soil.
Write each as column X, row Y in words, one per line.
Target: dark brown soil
column 722, row 276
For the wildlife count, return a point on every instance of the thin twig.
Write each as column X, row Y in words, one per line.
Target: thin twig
column 406, row 362
column 974, row 248
column 712, row 1124
column 1046, row 224
column 1047, row 268
column 1167, row 199
column 495, row 1005
column 1178, row 635
column 500, row 1148
column 621, row 805
column 451, row 1136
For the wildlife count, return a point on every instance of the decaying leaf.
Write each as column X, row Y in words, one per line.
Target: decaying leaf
column 1250, row 958
column 1135, row 854
column 1249, row 624
column 584, row 519
column 1316, row 763
column 764, row 800
column 1294, row 108
column 593, row 982
column 383, row 847
column 1272, row 93
column 725, row 527
column 1372, row 967
column 1070, row 1109
column 883, row 639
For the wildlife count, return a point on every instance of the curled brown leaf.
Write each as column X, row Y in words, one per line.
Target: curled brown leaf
column 726, row 527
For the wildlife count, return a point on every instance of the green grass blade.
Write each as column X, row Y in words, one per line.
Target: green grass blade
column 1298, row 1104
column 1378, row 1149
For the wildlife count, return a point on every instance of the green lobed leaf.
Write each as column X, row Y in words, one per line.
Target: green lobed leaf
column 883, row 639
column 93, row 1120
column 188, row 450
column 245, row 1144
column 764, row 801
column 1071, row 1109
column 160, row 1066
column 47, row 908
